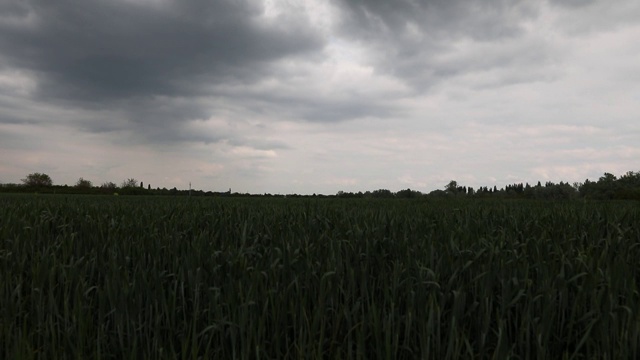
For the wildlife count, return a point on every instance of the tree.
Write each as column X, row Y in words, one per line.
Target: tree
column 607, row 178
column 408, row 193
column 130, row 183
column 108, row 185
column 577, row 185
column 630, row 179
column 84, row 184
column 37, row 179
column 452, row 187
column 382, row 193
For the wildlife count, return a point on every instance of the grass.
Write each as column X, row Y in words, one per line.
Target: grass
column 145, row 277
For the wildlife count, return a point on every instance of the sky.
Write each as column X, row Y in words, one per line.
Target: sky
column 312, row 96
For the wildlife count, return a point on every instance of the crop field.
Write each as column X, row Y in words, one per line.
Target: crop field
column 110, row 277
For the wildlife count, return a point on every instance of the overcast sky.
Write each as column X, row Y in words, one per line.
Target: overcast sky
column 319, row 96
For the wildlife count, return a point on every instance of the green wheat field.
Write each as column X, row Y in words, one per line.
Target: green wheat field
column 116, row 277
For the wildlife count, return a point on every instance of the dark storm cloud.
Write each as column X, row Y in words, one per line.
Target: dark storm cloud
column 12, row 114
column 584, row 17
column 148, row 67
column 13, row 9
column 102, row 50
column 151, row 62
column 439, row 19
column 146, row 62
column 412, row 39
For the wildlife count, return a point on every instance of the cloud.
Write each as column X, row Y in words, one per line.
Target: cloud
column 427, row 42
column 318, row 96
column 586, row 17
column 149, row 62
column 436, row 19
column 107, row 50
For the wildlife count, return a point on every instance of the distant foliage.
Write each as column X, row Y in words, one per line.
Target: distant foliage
column 109, row 185
column 129, row 183
column 37, row 180
column 84, row 184
column 607, row 187
column 611, row 187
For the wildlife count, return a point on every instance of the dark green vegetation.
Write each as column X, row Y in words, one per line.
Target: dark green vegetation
column 162, row 277
column 608, row 187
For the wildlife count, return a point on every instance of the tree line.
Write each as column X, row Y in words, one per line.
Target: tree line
column 42, row 183
column 607, row 187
